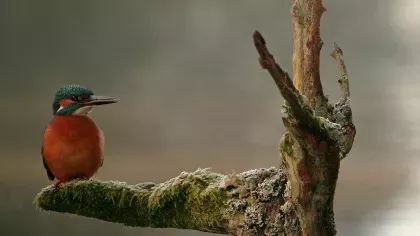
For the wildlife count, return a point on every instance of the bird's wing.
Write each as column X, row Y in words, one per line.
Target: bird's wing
column 49, row 173
column 102, row 144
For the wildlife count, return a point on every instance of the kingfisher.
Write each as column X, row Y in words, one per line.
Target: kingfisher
column 72, row 145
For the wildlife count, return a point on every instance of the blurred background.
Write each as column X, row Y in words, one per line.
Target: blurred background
column 193, row 95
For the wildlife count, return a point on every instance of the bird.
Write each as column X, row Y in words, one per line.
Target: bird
column 72, row 144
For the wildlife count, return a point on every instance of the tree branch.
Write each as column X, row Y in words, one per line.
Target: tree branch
column 307, row 44
column 298, row 105
column 342, row 113
column 337, row 54
column 250, row 203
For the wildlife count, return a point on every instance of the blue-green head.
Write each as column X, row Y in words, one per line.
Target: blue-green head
column 77, row 100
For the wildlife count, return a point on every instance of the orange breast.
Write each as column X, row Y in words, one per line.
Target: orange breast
column 73, row 147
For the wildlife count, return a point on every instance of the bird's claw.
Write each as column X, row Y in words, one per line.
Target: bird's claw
column 58, row 182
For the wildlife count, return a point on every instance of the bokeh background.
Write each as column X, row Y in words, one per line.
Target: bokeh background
column 193, row 95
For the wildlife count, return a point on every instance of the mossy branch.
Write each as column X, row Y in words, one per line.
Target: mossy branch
column 248, row 203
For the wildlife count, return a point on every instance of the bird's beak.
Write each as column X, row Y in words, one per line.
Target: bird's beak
column 99, row 100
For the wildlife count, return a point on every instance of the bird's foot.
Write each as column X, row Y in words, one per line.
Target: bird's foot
column 58, row 182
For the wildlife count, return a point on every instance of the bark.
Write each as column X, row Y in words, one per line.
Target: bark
column 307, row 44
column 296, row 199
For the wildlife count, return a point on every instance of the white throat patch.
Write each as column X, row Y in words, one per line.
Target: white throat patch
column 82, row 111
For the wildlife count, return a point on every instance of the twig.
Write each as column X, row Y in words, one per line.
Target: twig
column 280, row 77
column 337, row 54
column 298, row 105
column 342, row 113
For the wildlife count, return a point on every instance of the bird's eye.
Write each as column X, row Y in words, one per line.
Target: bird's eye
column 78, row 98
column 83, row 97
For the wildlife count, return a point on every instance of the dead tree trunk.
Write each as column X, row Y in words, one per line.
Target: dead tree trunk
column 319, row 135
column 294, row 200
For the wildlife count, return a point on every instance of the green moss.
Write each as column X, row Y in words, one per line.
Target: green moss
column 109, row 201
column 192, row 200
column 296, row 226
column 320, row 129
column 286, row 144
